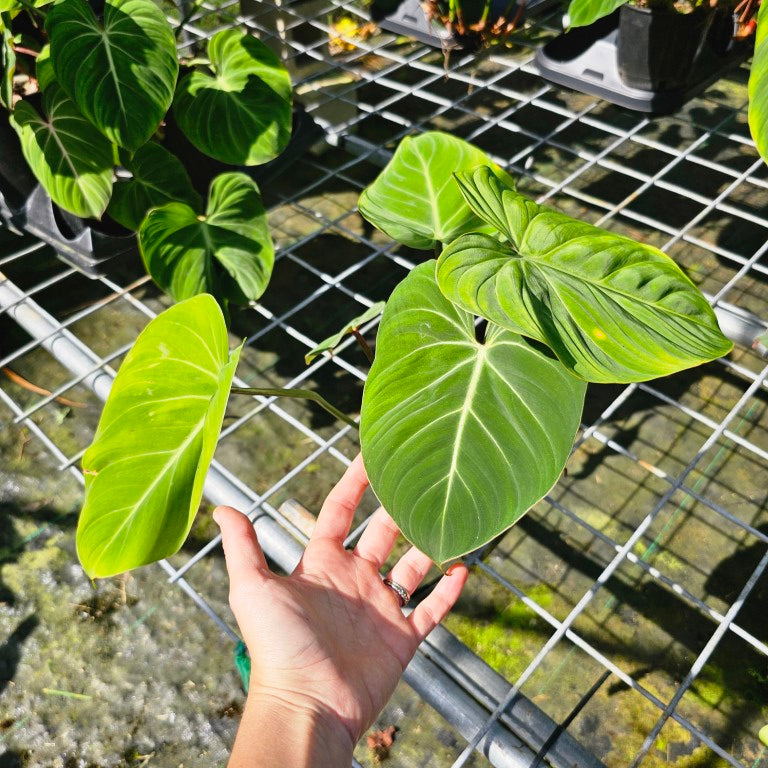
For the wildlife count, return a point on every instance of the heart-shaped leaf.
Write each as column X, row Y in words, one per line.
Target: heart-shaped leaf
column 612, row 309
column 145, row 469
column 758, row 84
column 581, row 13
column 69, row 157
column 460, row 437
column 327, row 345
column 240, row 111
column 228, row 252
column 157, row 177
column 416, row 200
column 121, row 71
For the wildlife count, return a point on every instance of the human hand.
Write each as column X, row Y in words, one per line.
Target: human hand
column 331, row 639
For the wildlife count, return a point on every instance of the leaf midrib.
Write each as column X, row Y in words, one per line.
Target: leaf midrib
column 172, row 462
column 466, row 408
column 527, row 258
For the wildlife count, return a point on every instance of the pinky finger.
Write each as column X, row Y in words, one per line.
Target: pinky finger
column 434, row 608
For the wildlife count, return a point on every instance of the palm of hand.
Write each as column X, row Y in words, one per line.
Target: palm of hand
column 359, row 643
column 331, row 637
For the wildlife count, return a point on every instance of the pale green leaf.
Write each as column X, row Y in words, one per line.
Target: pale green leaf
column 44, row 69
column 7, row 60
column 460, row 437
column 227, row 252
column 157, row 177
column 758, row 84
column 145, row 469
column 582, row 13
column 69, row 157
column 612, row 309
column 120, row 70
column 415, row 199
column 327, row 345
column 238, row 109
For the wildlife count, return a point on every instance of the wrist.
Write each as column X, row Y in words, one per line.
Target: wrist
column 291, row 731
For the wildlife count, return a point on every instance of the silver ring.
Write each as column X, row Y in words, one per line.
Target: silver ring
column 399, row 590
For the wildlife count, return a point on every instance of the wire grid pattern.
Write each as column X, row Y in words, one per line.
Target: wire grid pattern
column 691, row 184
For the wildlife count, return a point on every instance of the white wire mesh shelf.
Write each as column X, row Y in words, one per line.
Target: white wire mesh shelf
column 627, row 610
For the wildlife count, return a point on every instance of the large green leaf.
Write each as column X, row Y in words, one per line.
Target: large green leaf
column 612, row 309
column 328, row 345
column 145, row 469
column 758, row 84
column 582, row 13
column 459, row 437
column 157, row 177
column 121, row 70
column 415, row 199
column 228, row 252
column 240, row 111
column 69, row 157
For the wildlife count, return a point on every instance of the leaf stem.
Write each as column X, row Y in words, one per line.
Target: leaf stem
column 32, row 8
column 363, row 344
column 301, row 394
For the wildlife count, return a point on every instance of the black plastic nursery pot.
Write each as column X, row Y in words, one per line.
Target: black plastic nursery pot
column 88, row 246
column 658, row 47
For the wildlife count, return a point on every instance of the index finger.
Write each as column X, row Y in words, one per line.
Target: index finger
column 335, row 518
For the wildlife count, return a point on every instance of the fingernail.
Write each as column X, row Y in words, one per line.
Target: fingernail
column 454, row 568
column 215, row 518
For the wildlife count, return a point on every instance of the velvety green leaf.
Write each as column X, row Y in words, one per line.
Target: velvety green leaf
column 612, row 309
column 240, row 111
column 415, row 199
column 8, row 7
column 145, row 469
column 7, row 61
column 228, row 252
column 121, row 71
column 332, row 341
column 158, row 177
column 758, row 84
column 582, row 13
column 69, row 157
column 460, row 438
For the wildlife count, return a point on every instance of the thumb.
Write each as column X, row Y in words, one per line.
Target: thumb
column 242, row 551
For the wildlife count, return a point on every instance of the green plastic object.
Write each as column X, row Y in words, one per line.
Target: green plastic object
column 243, row 664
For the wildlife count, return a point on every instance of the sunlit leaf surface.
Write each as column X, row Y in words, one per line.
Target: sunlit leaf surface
column 145, row 469
column 416, row 200
column 612, row 309
column 460, row 437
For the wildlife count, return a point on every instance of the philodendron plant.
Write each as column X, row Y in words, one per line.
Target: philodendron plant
column 475, row 395
column 752, row 17
column 102, row 81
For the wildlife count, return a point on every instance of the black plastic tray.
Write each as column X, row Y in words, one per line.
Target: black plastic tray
column 585, row 59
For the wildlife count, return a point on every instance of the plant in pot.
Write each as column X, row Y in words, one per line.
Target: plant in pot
column 93, row 93
column 481, row 366
column 652, row 55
